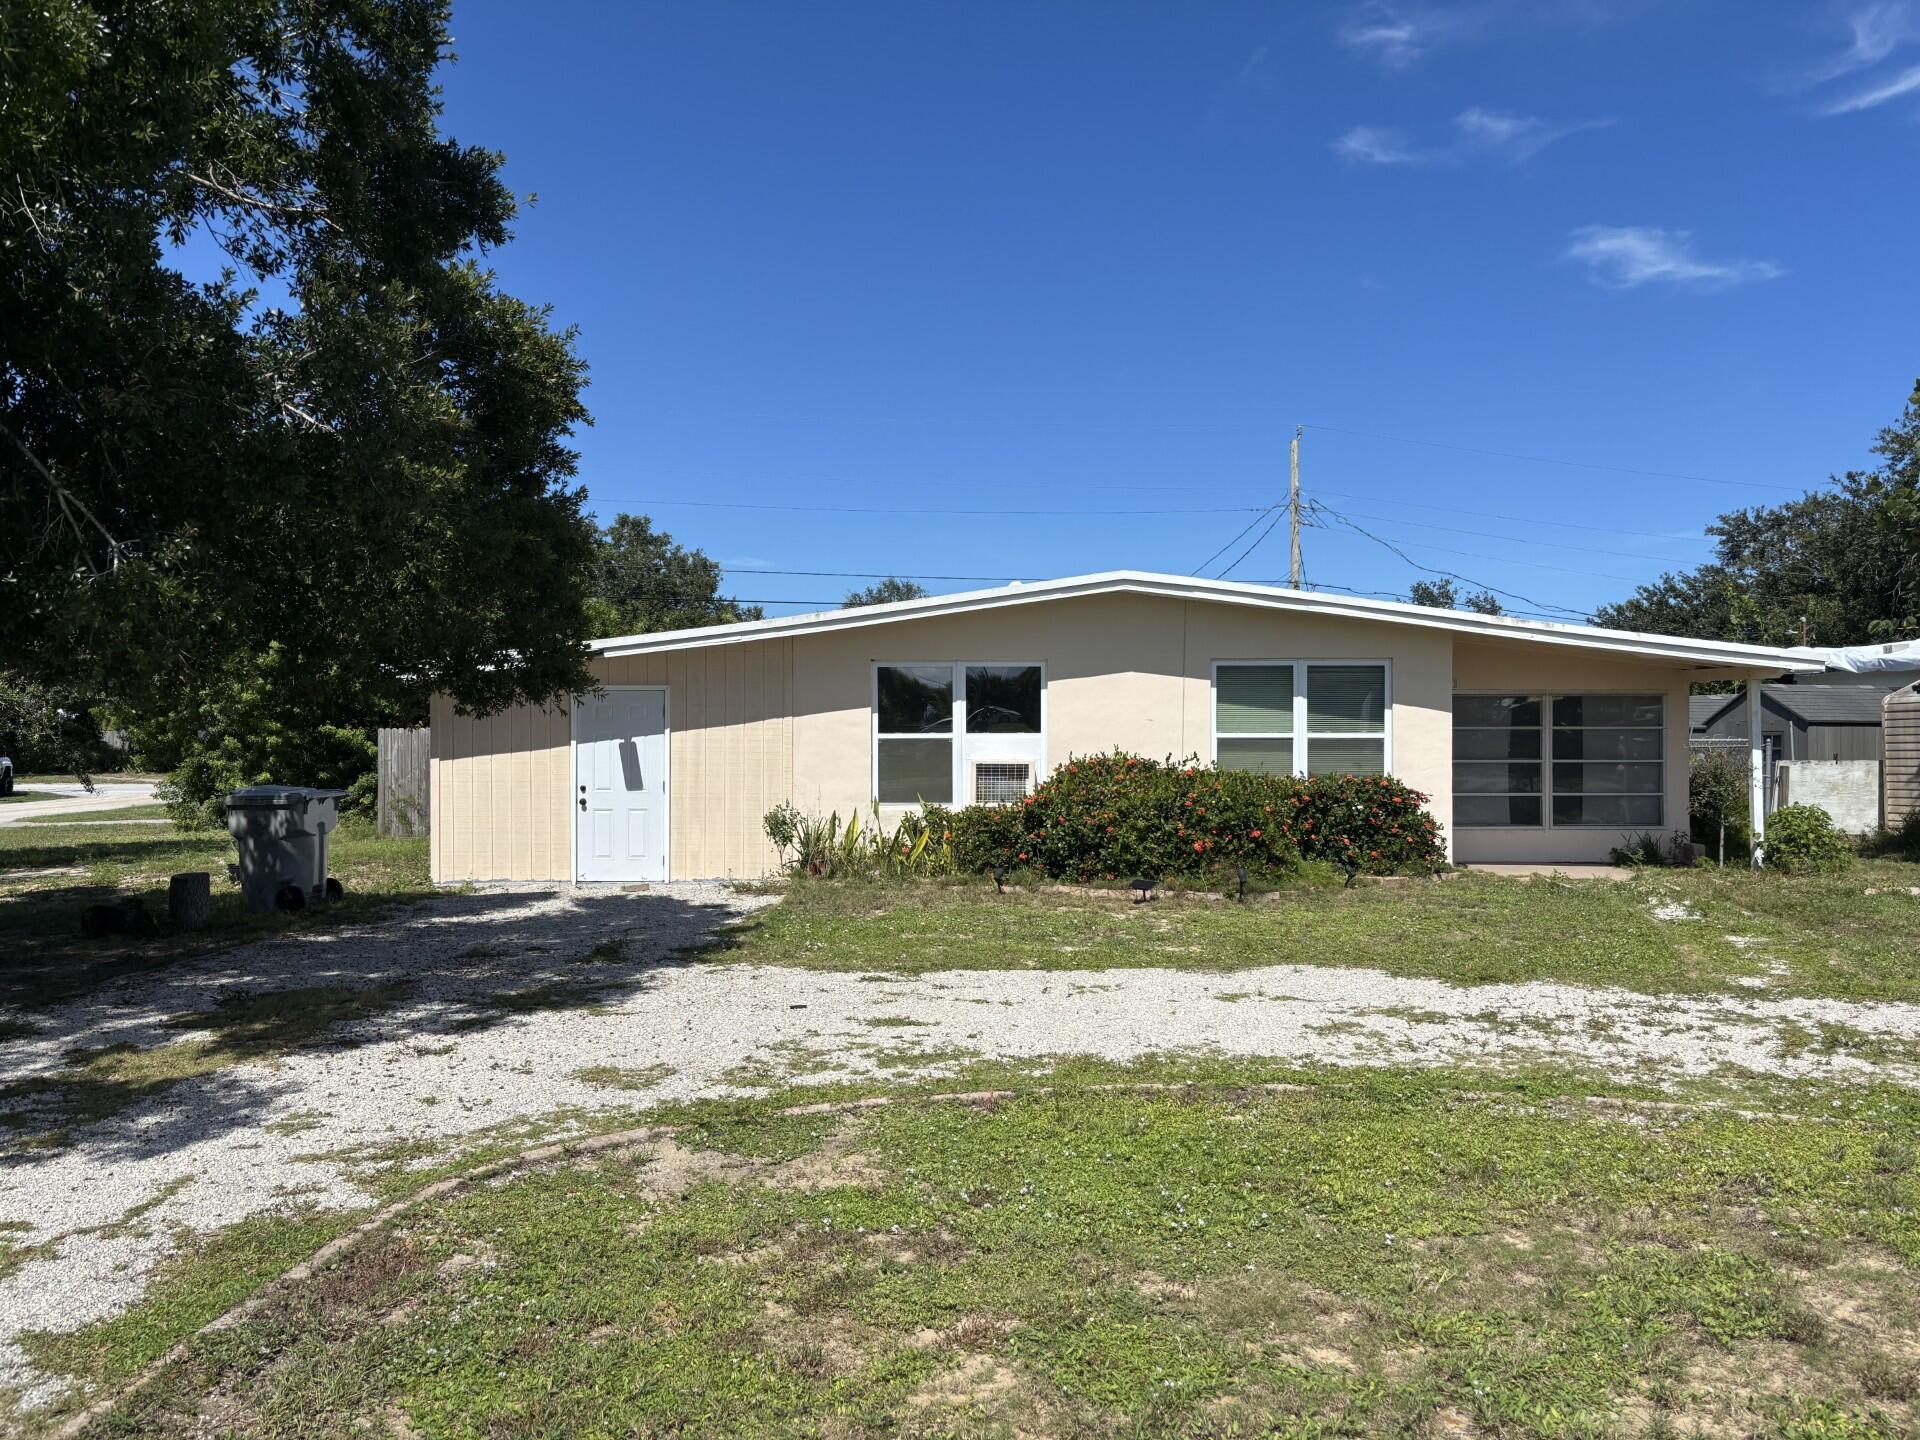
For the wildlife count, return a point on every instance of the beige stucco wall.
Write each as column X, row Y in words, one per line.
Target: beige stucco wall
column 1528, row 668
column 502, row 784
column 757, row 724
column 1132, row 671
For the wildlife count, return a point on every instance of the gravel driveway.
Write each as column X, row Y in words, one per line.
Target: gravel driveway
column 499, row 999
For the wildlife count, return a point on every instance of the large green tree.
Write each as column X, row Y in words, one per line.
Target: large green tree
column 1441, row 595
column 1846, row 560
column 884, row 592
column 642, row 580
column 318, row 488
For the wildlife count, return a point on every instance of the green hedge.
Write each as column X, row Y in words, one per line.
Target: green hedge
column 1118, row 816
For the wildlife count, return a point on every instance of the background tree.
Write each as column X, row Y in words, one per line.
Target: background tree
column 884, row 592
column 1846, row 560
column 1440, row 595
column 643, row 581
column 1717, row 794
column 313, row 491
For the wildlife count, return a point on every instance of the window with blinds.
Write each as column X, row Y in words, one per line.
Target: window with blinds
column 1301, row 717
column 1253, row 718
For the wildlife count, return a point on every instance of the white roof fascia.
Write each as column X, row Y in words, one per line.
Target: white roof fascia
column 1717, row 653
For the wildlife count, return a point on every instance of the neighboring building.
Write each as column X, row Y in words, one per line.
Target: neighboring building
column 1900, row 775
column 1802, row 721
column 1534, row 741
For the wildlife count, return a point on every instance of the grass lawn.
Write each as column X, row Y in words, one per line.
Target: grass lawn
column 50, row 873
column 118, row 812
column 1364, row 1254
column 1808, row 935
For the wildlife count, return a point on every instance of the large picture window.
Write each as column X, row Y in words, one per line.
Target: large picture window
column 1301, row 717
column 1559, row 760
column 932, row 721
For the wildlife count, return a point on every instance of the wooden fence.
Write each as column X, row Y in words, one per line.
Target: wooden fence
column 404, row 782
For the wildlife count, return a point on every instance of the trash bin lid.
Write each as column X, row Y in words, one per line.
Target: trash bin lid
column 278, row 797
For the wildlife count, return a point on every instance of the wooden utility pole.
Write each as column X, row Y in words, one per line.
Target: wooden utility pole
column 1293, row 507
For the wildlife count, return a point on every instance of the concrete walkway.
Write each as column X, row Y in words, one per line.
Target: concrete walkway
column 71, row 798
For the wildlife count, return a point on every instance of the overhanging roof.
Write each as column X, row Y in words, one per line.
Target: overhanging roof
column 1677, row 649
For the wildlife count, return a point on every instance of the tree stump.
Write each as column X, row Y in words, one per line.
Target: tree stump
column 189, row 898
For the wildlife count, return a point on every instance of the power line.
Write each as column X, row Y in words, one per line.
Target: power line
column 1406, row 600
column 1516, row 539
column 1083, row 513
column 1277, row 513
column 882, row 575
column 1482, row 555
column 1449, row 574
column 1549, row 460
column 1230, row 544
column 1516, row 519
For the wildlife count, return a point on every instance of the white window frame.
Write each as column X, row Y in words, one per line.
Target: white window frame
column 1547, row 728
column 965, row 748
column 1301, row 736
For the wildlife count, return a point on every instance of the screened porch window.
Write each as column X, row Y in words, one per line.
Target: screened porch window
column 1301, row 717
column 1564, row 761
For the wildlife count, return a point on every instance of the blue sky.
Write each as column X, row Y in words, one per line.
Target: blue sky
column 1102, row 259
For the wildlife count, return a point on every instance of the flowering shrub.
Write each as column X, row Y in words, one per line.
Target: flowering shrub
column 1114, row 817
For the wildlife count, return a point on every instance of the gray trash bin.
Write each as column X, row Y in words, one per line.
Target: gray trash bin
column 282, row 831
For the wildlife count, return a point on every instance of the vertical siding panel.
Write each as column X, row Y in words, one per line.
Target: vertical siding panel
column 733, row 736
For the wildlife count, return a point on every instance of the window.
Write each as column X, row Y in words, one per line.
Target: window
column 1497, row 760
column 1559, row 760
column 932, row 721
column 1301, row 717
column 1607, row 760
column 1253, row 718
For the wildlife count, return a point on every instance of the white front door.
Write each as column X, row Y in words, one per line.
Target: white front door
column 620, row 785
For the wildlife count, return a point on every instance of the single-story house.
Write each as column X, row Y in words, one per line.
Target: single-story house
column 1804, row 722
column 1534, row 741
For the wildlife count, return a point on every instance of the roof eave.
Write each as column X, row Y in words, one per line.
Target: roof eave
column 1710, row 654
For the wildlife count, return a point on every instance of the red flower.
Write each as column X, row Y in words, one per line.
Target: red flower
column 1256, row 834
column 1199, row 845
column 1023, row 854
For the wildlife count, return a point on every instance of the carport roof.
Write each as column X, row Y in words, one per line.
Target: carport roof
column 1720, row 654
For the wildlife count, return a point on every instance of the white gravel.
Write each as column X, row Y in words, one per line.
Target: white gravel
column 441, row 1064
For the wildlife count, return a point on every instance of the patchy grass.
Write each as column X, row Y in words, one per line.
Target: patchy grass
column 101, row 1082
column 49, row 874
column 1375, row 1253
column 624, row 1077
column 1797, row 935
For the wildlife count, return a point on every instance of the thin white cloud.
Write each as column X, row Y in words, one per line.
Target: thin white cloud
column 1398, row 33
column 1877, row 30
column 1372, row 145
column 1905, row 83
column 1393, row 37
column 1478, row 135
column 1624, row 257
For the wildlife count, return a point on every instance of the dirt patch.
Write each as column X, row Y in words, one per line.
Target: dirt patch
column 835, row 1165
column 974, row 1380
column 670, row 1169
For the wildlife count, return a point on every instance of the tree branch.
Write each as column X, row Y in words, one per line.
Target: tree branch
column 72, row 508
column 259, row 202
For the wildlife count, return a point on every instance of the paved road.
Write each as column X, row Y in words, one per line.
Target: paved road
column 70, row 798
